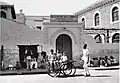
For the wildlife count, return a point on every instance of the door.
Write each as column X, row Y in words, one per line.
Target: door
column 22, row 55
column 64, row 44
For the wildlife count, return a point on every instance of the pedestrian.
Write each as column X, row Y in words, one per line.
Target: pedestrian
column 51, row 58
column 28, row 58
column 85, row 58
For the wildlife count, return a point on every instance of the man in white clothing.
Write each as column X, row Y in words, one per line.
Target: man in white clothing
column 85, row 58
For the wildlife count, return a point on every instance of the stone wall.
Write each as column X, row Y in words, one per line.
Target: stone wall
column 106, row 52
column 10, row 57
column 98, row 49
column 14, row 34
column 100, row 53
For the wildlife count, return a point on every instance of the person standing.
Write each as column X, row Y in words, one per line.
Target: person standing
column 85, row 58
column 28, row 58
column 51, row 58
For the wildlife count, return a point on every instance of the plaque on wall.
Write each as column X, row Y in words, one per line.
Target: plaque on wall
column 63, row 18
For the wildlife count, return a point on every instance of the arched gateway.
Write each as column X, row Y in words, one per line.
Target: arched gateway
column 64, row 44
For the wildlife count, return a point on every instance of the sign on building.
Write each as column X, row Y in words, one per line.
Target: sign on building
column 63, row 18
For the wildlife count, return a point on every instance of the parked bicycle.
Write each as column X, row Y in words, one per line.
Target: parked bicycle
column 65, row 68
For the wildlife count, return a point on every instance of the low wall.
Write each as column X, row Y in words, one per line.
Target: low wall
column 105, row 50
column 100, row 50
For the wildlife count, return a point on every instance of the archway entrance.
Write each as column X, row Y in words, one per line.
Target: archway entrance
column 64, row 44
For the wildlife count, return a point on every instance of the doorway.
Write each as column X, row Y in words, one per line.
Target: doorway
column 22, row 55
column 64, row 44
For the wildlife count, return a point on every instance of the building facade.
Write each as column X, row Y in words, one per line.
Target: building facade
column 35, row 22
column 102, row 21
column 7, row 11
column 65, row 33
column 15, row 36
column 57, row 34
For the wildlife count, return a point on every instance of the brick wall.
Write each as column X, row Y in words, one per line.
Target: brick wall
column 10, row 57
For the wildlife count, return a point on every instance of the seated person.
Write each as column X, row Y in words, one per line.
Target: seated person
column 107, row 60
column 18, row 65
column 102, row 62
column 96, row 62
column 34, row 63
column 113, row 60
column 63, row 58
column 10, row 67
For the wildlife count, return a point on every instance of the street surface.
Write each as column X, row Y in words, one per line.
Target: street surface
column 97, row 76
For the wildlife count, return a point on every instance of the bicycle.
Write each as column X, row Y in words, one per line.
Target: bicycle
column 69, row 69
column 65, row 68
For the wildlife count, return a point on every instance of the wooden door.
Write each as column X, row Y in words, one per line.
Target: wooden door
column 64, row 44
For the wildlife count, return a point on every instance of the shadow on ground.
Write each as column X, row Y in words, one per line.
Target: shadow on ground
column 79, row 75
column 108, row 69
column 101, row 76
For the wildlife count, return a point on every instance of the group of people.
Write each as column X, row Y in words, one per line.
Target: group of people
column 61, row 57
column 56, row 59
column 103, row 61
column 30, row 61
column 53, row 58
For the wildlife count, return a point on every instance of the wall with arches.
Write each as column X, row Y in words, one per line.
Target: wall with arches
column 73, row 30
column 7, row 12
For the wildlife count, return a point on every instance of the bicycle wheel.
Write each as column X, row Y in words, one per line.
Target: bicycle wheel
column 51, row 72
column 60, row 70
column 73, row 68
column 69, row 69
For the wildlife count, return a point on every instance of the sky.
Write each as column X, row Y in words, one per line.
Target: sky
column 48, row 7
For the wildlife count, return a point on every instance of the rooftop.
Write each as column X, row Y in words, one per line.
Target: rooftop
column 97, row 4
column 3, row 3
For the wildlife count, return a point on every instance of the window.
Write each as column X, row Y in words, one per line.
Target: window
column 115, row 14
column 97, row 19
column 39, row 27
column 116, row 38
column 98, row 38
column 3, row 14
column 83, row 21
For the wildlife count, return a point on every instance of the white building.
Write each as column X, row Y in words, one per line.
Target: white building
column 102, row 20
